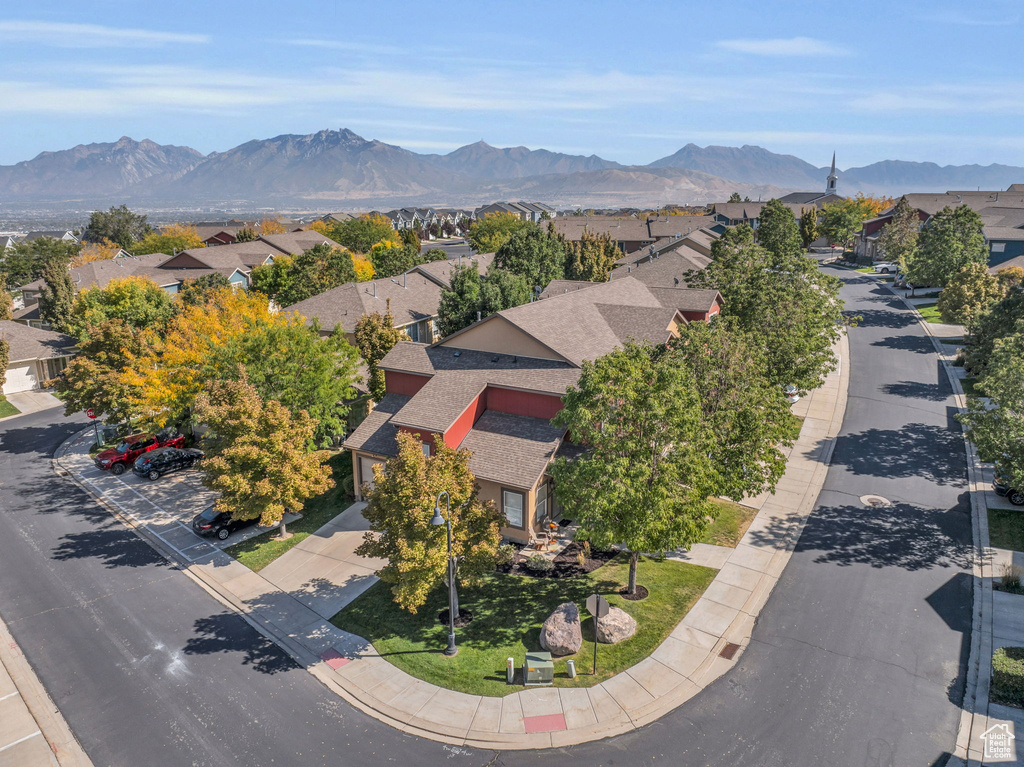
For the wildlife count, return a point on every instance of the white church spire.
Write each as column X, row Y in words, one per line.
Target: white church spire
column 833, row 179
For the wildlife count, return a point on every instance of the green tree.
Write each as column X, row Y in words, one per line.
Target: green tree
column 6, row 301
column 435, row 254
column 138, row 301
column 743, row 412
column 5, row 360
column 643, row 480
column 119, row 225
column 841, row 220
column 275, row 279
column 291, row 363
column 778, row 232
column 257, row 455
column 245, row 234
column 989, row 327
column 787, row 305
column 376, row 335
column 410, row 239
column 57, row 298
column 24, row 262
column 489, row 233
column 735, row 197
column 391, row 260
column 198, row 290
column 288, row 280
column 591, row 258
column 399, row 508
column 170, row 240
column 970, row 293
column 951, row 240
column 997, row 427
column 501, row 290
column 733, row 238
column 95, row 378
column 898, row 238
column 1010, row 277
column 533, row 254
column 809, row 228
column 459, row 303
column 361, row 234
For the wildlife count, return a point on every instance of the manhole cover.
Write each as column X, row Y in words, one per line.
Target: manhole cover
column 875, row 500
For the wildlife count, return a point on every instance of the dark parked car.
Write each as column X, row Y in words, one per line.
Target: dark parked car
column 1003, row 488
column 219, row 523
column 119, row 458
column 164, row 460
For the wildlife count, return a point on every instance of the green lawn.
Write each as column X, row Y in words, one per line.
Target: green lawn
column 730, row 525
column 6, row 408
column 1008, row 676
column 1006, row 529
column 508, row 611
column 256, row 553
column 929, row 312
column 970, row 386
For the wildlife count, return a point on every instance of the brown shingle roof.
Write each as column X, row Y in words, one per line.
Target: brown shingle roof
column 688, row 299
column 376, row 434
column 413, row 298
column 34, row 344
column 511, row 449
column 558, row 287
column 666, row 270
column 441, row 271
column 441, row 400
column 99, row 273
column 294, row 243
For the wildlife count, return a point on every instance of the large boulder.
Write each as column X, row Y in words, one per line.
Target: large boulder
column 617, row 626
column 561, row 633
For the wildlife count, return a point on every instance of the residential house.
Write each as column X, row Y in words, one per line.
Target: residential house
column 528, row 211
column 336, row 218
column 631, row 234
column 493, row 388
column 57, row 234
column 441, row 271
column 749, row 213
column 36, row 356
column 7, row 242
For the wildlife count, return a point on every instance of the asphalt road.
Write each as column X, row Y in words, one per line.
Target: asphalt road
column 857, row 658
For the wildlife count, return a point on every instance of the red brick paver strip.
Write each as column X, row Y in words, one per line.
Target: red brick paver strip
column 545, row 723
column 334, row 659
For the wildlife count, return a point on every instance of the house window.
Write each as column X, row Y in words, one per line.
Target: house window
column 512, row 503
column 998, row 247
column 413, row 331
column 542, row 500
column 426, row 449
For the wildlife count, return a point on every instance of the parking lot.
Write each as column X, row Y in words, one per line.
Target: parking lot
column 165, row 507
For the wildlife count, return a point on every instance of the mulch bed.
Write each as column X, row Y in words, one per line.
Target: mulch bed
column 465, row 616
column 641, row 593
column 566, row 565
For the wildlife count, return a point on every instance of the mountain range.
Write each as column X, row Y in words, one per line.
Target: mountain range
column 336, row 168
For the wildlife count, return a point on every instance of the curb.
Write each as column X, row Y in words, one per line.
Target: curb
column 732, row 622
column 974, row 709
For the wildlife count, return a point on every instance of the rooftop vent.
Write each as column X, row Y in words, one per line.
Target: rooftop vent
column 494, row 359
column 458, row 354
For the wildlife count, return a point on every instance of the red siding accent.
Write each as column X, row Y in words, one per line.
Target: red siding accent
column 528, row 403
column 424, row 436
column 404, row 383
column 458, row 430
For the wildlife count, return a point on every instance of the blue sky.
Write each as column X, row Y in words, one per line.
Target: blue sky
column 916, row 80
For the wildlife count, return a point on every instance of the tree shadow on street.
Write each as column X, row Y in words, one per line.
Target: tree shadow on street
column 881, row 318
column 114, row 546
column 918, row 390
column 229, row 634
column 906, row 343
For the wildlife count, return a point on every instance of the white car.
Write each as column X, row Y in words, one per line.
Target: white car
column 886, row 267
column 791, row 394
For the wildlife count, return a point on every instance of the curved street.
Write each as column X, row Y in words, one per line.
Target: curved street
column 857, row 659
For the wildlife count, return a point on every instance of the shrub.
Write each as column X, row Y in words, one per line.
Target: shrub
column 586, row 548
column 506, row 553
column 1008, row 676
column 1011, row 580
column 581, row 559
column 538, row 564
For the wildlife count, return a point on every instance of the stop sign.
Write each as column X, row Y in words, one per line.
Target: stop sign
column 90, row 413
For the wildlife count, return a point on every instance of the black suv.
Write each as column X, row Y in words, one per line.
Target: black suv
column 1003, row 488
column 164, row 460
column 219, row 523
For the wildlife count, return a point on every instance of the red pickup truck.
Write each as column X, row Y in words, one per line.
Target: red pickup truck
column 119, row 459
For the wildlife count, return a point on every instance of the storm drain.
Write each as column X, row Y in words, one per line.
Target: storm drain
column 729, row 651
column 875, row 500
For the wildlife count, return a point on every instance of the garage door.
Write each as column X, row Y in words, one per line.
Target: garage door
column 20, row 377
column 366, row 469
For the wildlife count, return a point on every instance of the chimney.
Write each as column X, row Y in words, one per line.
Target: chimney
column 478, row 315
column 405, row 279
column 375, row 288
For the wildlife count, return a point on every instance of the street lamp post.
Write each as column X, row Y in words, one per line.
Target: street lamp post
column 453, row 599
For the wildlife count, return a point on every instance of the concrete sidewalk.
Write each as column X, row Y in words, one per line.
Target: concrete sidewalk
column 31, row 402
column 291, row 599
column 33, row 732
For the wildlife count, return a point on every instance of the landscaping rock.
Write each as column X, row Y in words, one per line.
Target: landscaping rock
column 617, row 626
column 561, row 633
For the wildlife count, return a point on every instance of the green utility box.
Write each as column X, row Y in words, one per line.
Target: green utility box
column 538, row 669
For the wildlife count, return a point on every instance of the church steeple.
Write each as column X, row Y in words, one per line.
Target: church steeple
column 833, row 179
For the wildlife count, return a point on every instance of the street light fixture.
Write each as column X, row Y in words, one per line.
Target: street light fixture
column 453, row 599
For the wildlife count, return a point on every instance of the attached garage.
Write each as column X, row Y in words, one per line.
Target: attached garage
column 35, row 355
column 21, row 376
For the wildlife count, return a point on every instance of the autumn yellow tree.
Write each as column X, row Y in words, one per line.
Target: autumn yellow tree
column 873, row 206
column 322, row 227
column 95, row 251
column 271, row 226
column 170, row 239
column 364, row 269
column 175, row 362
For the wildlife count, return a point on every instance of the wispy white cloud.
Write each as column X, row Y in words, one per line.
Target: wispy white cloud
column 996, row 15
column 789, row 46
column 345, row 45
column 945, row 98
column 64, row 35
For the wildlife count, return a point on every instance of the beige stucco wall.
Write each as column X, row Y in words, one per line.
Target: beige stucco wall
column 498, row 335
